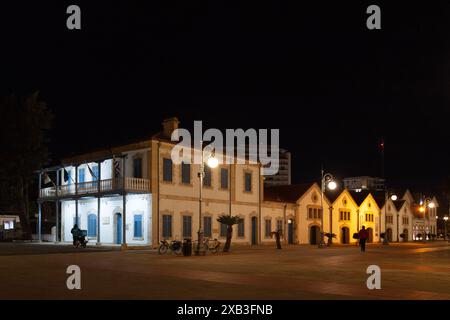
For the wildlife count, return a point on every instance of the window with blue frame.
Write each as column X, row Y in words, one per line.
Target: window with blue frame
column 207, row 227
column 92, row 225
column 187, row 226
column 167, row 169
column 137, row 168
column 224, row 178
column 223, row 230
column 241, row 228
column 137, row 226
column 81, row 175
column 167, row 226
column 185, row 173
column 248, row 182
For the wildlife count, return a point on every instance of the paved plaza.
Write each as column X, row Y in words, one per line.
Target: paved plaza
column 408, row 271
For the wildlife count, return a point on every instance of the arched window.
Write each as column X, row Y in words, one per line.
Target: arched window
column 92, row 225
column 138, row 226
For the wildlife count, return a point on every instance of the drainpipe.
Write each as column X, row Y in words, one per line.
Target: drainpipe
column 157, row 192
column 286, row 240
column 259, row 203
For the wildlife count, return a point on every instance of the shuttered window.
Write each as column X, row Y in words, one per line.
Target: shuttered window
column 167, row 170
column 187, row 226
column 224, row 178
column 241, row 228
column 207, row 227
column 185, row 173
column 167, row 226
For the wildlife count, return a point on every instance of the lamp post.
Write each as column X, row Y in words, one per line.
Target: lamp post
column 445, row 227
column 426, row 203
column 211, row 162
column 327, row 181
column 393, row 197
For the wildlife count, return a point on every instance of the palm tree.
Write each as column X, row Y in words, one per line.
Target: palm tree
column 229, row 221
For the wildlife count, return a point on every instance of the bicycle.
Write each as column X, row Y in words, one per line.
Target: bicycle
column 208, row 245
column 174, row 247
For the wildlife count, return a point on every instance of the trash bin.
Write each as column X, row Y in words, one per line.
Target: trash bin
column 187, row 247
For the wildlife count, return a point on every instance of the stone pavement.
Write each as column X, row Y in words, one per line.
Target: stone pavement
column 408, row 271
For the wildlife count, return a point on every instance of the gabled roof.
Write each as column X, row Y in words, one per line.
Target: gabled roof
column 332, row 195
column 289, row 193
column 380, row 198
column 359, row 197
column 399, row 204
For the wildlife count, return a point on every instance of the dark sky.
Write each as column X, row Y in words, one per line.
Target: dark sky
column 314, row 71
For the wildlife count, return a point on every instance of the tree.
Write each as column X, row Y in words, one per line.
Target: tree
column 330, row 237
column 23, row 140
column 229, row 221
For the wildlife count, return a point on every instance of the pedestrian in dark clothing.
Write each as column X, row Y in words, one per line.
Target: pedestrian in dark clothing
column 363, row 235
column 75, row 233
column 277, row 235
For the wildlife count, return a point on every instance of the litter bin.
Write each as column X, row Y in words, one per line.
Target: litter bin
column 187, row 247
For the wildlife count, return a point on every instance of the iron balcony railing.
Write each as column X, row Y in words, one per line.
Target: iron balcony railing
column 92, row 187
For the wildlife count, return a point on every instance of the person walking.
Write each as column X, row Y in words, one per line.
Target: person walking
column 363, row 235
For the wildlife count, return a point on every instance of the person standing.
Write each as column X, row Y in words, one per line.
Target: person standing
column 363, row 235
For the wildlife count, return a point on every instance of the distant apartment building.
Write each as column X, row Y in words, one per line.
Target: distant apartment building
column 283, row 177
column 364, row 183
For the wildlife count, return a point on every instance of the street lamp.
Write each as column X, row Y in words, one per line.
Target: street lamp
column 445, row 227
column 393, row 197
column 327, row 181
column 426, row 203
column 211, row 162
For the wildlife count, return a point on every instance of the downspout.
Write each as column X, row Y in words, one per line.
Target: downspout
column 158, row 198
column 229, row 187
column 259, row 203
column 286, row 240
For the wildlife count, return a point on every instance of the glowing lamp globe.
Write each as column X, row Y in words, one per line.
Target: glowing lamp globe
column 332, row 185
column 394, row 197
column 213, row 162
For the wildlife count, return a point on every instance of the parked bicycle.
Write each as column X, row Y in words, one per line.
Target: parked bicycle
column 174, row 246
column 208, row 245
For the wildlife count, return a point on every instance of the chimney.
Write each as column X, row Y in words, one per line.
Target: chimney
column 169, row 125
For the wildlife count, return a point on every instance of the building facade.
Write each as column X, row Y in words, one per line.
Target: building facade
column 135, row 195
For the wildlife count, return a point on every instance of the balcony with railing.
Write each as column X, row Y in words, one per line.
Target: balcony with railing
column 90, row 188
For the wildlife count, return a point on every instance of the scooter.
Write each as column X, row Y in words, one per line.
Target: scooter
column 81, row 240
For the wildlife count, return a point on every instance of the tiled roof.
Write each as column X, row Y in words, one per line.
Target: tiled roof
column 289, row 193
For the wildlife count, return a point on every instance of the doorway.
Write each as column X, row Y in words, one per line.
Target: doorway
column 118, row 218
column 314, row 234
column 290, row 231
column 254, row 230
column 370, row 232
column 345, row 235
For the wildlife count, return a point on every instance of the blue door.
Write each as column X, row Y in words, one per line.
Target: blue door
column 92, row 225
column 254, row 230
column 118, row 228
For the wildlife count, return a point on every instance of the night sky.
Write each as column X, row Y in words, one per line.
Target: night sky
column 316, row 72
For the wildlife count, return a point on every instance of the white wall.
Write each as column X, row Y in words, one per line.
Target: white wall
column 109, row 206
